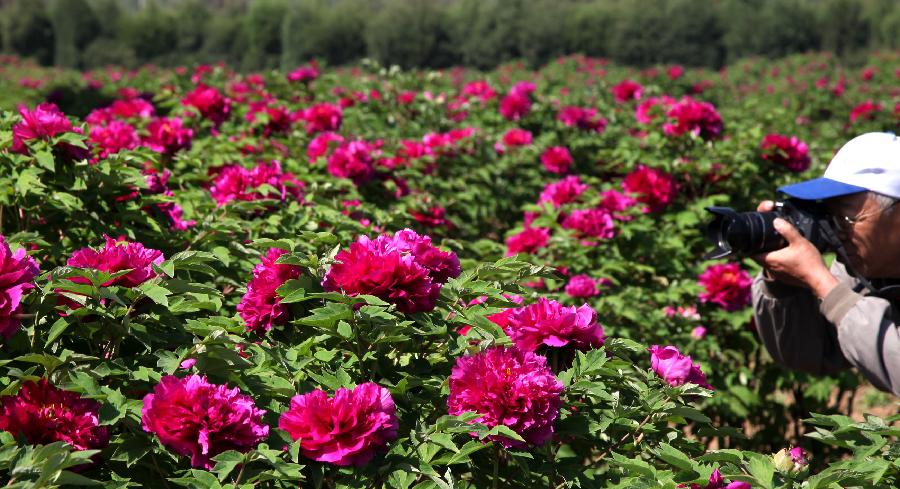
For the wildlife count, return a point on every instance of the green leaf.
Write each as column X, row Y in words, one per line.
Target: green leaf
column 156, row 293
column 328, row 316
column 762, row 468
column 674, row 457
column 45, row 159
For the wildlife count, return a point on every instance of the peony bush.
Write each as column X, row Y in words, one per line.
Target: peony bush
column 363, row 277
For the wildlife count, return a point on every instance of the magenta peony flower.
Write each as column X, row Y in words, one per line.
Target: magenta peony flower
column 562, row 192
column 513, row 138
column 353, row 160
column 615, row 202
column 115, row 256
column 405, row 270
column 210, row 103
column 727, row 285
column 321, row 145
column 627, row 90
column 584, row 118
column 699, row 332
column 676, row 369
column 507, row 386
column 653, row 187
column 261, row 306
column 168, row 135
column 528, row 240
column 193, row 417
column 653, row 107
column 786, row 151
column 42, row 413
column 44, row 122
column 690, row 116
column 517, row 103
column 556, row 159
column 235, row 182
column 347, row 429
column 17, row 273
column 479, row 89
column 114, row 137
column 799, row 456
column 547, row 322
column 303, row 74
column 865, row 111
column 582, row 287
column 590, row 223
column 322, row 117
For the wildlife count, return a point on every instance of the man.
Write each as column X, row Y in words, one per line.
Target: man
column 823, row 320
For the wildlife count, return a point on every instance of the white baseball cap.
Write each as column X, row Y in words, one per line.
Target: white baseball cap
column 867, row 162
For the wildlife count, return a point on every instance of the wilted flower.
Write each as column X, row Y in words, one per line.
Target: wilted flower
column 196, row 418
column 235, row 182
column 17, row 273
column 727, row 285
column 507, row 386
column 653, row 187
column 563, row 191
column 556, row 159
column 549, row 323
column 347, row 429
column 691, row 116
column 528, row 240
column 405, row 270
column 787, row 151
column 261, row 308
column 676, row 369
column 116, row 256
column 41, row 413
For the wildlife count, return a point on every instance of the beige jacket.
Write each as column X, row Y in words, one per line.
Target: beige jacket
column 844, row 329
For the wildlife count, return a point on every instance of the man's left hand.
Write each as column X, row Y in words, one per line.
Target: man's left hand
column 799, row 260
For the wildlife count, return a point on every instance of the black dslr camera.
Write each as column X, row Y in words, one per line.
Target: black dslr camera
column 751, row 233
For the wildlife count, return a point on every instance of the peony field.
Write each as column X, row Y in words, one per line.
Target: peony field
column 370, row 277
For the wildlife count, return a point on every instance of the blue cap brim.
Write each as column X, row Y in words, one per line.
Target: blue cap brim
column 820, row 188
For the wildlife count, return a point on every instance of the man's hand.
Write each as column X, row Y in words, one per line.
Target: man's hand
column 799, row 263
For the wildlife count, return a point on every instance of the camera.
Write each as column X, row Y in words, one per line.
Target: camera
column 751, row 233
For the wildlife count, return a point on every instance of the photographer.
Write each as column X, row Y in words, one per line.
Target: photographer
column 823, row 320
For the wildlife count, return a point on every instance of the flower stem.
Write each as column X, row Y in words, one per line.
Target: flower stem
column 496, row 478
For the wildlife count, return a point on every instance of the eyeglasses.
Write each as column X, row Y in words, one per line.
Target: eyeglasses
column 846, row 223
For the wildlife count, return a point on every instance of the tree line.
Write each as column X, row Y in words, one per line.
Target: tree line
column 260, row 34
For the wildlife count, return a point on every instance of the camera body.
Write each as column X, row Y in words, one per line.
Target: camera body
column 751, row 233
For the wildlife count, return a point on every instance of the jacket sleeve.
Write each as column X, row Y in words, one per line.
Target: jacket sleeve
column 868, row 333
column 793, row 329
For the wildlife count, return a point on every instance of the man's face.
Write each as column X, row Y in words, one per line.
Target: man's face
column 872, row 242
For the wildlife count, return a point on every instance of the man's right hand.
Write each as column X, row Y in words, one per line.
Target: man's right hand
column 769, row 206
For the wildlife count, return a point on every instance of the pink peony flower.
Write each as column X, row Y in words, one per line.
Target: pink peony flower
column 627, row 90
column 517, row 103
column 210, row 103
column 615, row 202
column 323, row 118
column 303, row 74
column 676, row 369
column 799, row 456
column 584, row 118
column 556, row 159
column 653, row 187
column 479, row 89
column 321, row 145
column 405, row 270
column 716, row 481
column 699, row 332
column 590, row 223
column 786, row 151
column 528, row 240
column 235, row 182
column 114, row 137
column 44, row 122
column 582, row 287
column 347, row 429
column 433, row 217
column 116, row 256
column 653, row 107
column 563, row 191
column 549, row 323
column 727, row 285
column 41, row 413
column 193, row 417
column 168, row 135
column 675, row 72
column 507, row 386
column 353, row 160
column 261, row 306
column 865, row 111
column 691, row 116
column 17, row 273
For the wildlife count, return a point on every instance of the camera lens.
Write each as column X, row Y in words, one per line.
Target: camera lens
column 745, row 233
